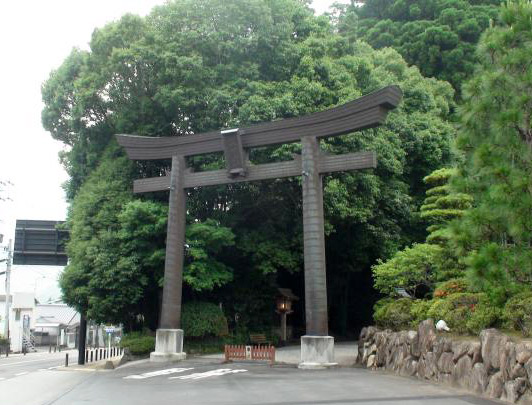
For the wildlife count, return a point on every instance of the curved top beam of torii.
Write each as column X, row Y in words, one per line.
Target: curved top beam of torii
column 365, row 112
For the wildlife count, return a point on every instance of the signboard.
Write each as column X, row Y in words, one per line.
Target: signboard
column 40, row 243
column 109, row 329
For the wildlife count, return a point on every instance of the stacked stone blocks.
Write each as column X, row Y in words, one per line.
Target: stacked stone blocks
column 493, row 366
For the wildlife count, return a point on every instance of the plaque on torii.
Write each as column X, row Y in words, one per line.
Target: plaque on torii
column 317, row 348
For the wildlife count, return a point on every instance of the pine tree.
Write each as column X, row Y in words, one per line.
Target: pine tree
column 442, row 205
column 496, row 140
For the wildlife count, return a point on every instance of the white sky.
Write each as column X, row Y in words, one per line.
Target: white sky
column 35, row 37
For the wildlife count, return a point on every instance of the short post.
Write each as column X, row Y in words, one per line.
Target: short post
column 66, row 360
column 92, row 355
column 109, row 342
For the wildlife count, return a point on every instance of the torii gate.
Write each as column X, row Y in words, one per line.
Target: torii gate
column 317, row 348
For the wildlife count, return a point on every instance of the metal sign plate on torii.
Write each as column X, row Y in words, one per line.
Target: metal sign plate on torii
column 365, row 112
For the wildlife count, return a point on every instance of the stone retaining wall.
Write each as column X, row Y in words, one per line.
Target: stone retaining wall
column 492, row 366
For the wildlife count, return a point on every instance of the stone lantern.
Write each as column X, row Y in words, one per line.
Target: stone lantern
column 284, row 300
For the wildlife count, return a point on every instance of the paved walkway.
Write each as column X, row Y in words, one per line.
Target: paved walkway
column 344, row 354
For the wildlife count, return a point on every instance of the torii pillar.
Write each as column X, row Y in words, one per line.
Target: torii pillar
column 317, row 347
column 169, row 335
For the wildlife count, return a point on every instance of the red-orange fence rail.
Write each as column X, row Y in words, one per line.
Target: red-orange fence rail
column 242, row 352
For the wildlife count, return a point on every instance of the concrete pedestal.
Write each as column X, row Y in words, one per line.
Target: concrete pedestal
column 168, row 346
column 317, row 352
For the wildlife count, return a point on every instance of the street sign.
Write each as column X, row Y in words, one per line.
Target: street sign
column 40, row 243
column 109, row 329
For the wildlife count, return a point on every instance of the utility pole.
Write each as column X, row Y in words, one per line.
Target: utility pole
column 82, row 337
column 8, row 277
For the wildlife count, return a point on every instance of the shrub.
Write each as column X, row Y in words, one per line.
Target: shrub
column 201, row 319
column 465, row 312
column 453, row 286
column 138, row 343
column 419, row 311
column 412, row 269
column 517, row 313
column 393, row 313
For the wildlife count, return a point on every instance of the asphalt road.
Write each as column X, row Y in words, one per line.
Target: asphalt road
column 204, row 382
column 17, row 365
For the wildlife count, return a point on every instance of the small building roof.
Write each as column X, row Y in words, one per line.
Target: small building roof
column 56, row 314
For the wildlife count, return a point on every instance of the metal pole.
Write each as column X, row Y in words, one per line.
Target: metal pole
column 8, row 286
column 82, row 338
column 283, row 327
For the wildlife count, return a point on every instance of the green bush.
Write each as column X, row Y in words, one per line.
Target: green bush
column 453, row 286
column 138, row 343
column 411, row 269
column 202, row 319
column 517, row 313
column 393, row 313
column 465, row 312
column 419, row 311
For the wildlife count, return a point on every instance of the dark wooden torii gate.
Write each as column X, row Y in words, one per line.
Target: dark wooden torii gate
column 366, row 112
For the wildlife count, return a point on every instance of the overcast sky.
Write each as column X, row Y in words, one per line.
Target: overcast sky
column 36, row 36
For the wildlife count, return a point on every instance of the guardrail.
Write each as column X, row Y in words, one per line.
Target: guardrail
column 243, row 352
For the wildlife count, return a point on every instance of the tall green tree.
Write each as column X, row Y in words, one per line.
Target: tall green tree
column 193, row 66
column 496, row 140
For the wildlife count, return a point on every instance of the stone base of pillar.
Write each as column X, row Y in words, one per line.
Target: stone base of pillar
column 317, row 352
column 168, row 346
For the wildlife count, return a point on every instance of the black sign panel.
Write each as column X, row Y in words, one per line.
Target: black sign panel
column 40, row 243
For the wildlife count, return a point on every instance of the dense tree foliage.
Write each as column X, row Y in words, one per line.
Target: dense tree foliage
column 416, row 270
column 488, row 200
column 192, row 66
column 496, row 139
column 439, row 37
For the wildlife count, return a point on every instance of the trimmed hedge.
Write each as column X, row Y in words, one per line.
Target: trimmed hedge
column 138, row 343
column 465, row 312
column 517, row 313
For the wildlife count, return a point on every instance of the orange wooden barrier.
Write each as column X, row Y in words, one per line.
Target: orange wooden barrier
column 243, row 352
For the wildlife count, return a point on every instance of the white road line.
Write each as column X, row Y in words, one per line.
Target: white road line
column 207, row 374
column 2, row 378
column 24, row 362
column 24, row 372
column 156, row 373
column 53, row 368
